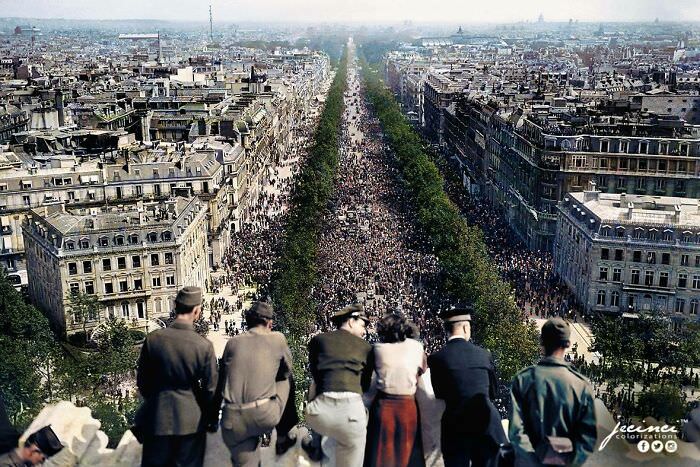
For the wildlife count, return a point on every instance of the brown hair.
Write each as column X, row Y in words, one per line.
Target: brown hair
column 395, row 328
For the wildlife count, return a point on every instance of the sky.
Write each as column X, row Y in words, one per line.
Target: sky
column 371, row 11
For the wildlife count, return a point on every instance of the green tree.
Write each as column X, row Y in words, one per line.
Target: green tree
column 663, row 402
column 84, row 308
column 28, row 350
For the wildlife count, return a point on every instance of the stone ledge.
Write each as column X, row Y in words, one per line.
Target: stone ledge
column 86, row 445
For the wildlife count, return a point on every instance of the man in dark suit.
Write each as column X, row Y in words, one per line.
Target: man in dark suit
column 177, row 377
column 463, row 375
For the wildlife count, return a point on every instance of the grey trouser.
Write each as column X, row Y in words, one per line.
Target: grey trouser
column 344, row 421
column 241, row 428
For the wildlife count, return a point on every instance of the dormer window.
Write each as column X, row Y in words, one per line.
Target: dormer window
column 119, row 240
column 84, row 243
column 103, row 241
column 70, row 245
column 152, row 237
column 133, row 239
column 167, row 236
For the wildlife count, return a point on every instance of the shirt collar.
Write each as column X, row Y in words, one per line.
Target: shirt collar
column 553, row 361
column 181, row 325
column 456, row 337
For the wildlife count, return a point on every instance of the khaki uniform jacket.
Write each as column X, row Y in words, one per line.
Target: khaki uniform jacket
column 551, row 399
column 177, row 377
column 12, row 459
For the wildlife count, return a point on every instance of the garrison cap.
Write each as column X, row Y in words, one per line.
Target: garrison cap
column 555, row 331
column 458, row 313
column 351, row 311
column 261, row 309
column 46, row 440
column 189, row 296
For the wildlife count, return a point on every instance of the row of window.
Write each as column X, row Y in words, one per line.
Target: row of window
column 649, row 278
column 119, row 240
column 107, row 263
column 623, row 146
column 122, row 285
column 640, row 183
column 651, row 234
column 651, row 257
column 680, row 305
column 125, row 310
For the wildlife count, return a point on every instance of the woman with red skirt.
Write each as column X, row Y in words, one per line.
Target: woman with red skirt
column 393, row 434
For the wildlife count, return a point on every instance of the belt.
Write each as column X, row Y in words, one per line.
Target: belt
column 250, row 405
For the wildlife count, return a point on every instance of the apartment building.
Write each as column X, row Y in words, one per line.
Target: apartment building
column 132, row 258
column 627, row 253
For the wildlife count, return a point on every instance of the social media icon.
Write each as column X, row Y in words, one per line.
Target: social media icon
column 671, row 446
column 657, row 445
column 643, row 446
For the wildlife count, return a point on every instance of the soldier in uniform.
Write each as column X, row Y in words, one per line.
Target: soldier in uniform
column 38, row 447
column 177, row 377
column 464, row 376
column 551, row 399
column 255, row 384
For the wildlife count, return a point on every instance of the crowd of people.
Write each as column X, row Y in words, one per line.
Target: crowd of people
column 370, row 249
column 538, row 289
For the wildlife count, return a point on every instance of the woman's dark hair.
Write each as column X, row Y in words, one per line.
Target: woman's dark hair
column 395, row 328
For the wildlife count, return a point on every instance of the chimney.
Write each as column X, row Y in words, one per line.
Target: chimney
column 590, row 194
column 630, row 209
column 677, row 214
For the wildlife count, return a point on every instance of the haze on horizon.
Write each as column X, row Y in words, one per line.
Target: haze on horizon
column 370, row 11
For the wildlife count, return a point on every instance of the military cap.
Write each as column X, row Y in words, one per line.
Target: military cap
column 351, row 311
column 261, row 309
column 46, row 440
column 458, row 313
column 555, row 331
column 189, row 296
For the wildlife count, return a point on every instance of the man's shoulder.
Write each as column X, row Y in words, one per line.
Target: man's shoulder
column 187, row 337
column 10, row 459
column 579, row 377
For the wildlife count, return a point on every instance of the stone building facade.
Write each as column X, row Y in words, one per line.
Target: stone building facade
column 133, row 259
column 621, row 253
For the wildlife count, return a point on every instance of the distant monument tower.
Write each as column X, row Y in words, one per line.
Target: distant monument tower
column 540, row 19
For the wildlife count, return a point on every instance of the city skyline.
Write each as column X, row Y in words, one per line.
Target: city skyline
column 367, row 11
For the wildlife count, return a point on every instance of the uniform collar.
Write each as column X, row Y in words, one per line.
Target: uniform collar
column 456, row 338
column 553, row 361
column 181, row 325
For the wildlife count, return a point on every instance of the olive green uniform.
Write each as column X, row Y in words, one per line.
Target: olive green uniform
column 551, row 399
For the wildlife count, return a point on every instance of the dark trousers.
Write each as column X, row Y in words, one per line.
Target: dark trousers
column 174, row 451
column 290, row 418
column 474, row 451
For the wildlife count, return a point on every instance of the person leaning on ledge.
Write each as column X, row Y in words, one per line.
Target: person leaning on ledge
column 342, row 372
column 464, row 376
column 38, row 447
column 256, row 387
column 552, row 406
column 177, row 377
